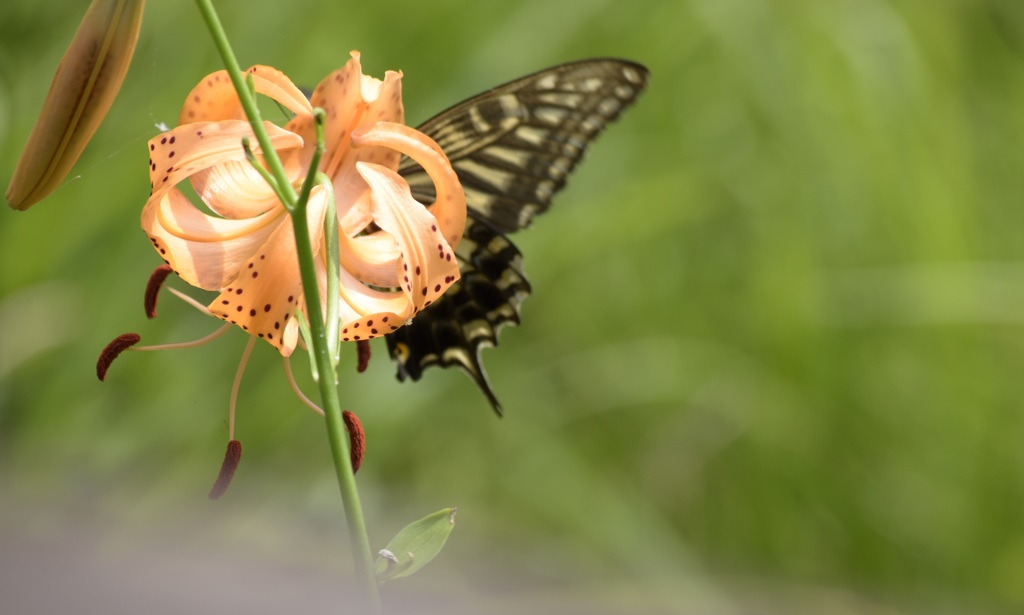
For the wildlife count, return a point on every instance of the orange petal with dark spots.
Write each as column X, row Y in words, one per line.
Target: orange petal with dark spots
column 180, row 153
column 215, row 99
column 449, row 207
column 427, row 266
column 347, row 96
column 204, row 250
column 268, row 288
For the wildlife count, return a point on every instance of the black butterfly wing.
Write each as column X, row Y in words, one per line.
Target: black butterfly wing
column 467, row 317
column 513, row 148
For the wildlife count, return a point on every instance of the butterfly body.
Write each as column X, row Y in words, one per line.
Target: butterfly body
column 513, row 148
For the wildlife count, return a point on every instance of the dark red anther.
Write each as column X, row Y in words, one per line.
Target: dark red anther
column 156, row 280
column 356, row 439
column 363, row 350
column 227, row 469
column 117, row 346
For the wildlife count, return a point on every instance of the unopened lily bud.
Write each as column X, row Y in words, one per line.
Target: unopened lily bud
column 82, row 91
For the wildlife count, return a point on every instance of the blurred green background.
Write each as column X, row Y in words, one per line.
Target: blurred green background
column 772, row 362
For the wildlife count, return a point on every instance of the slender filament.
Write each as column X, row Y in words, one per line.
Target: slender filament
column 295, row 387
column 236, row 384
column 199, row 342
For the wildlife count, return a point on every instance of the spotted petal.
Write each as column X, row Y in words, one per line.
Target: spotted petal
column 372, row 258
column 205, row 251
column 352, row 101
column 186, row 150
column 428, row 265
column 367, row 312
column 234, row 189
column 215, row 99
column 267, row 291
column 450, row 206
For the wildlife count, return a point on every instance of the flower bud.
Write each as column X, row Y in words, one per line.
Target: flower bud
column 82, row 91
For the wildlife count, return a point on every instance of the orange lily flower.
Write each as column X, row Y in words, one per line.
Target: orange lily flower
column 396, row 255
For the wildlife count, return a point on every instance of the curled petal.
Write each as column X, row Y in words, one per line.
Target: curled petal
column 360, row 300
column 179, row 153
column 353, row 208
column 352, row 100
column 372, row 259
column 450, row 206
column 358, row 214
column 365, row 312
column 215, row 99
column 428, row 265
column 383, row 104
column 87, row 80
column 268, row 288
column 273, row 83
column 203, row 250
column 234, row 189
column 340, row 96
column 372, row 326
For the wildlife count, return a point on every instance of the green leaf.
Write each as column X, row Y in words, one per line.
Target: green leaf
column 417, row 543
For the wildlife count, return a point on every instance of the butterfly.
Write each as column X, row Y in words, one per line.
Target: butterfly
column 512, row 147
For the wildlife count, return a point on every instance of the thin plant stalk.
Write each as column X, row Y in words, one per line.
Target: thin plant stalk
column 318, row 340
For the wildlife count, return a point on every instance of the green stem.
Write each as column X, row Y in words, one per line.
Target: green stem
column 336, row 431
column 248, row 100
column 333, row 290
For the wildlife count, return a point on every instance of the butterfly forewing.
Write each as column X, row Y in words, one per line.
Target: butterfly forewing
column 513, row 148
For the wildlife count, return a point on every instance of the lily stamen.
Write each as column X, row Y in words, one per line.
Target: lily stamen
column 189, row 300
column 363, row 355
column 221, row 330
column 156, row 281
column 356, row 439
column 118, row 345
column 290, row 377
column 236, row 384
column 127, row 341
column 232, row 456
